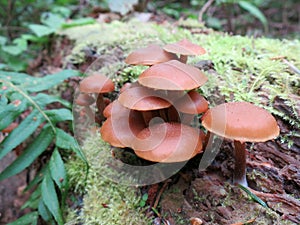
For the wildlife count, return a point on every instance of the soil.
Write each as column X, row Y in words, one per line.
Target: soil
column 12, row 196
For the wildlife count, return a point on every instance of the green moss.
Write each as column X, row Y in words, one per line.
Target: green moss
column 244, row 68
column 104, row 201
column 244, row 71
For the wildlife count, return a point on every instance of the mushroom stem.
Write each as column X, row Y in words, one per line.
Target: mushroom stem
column 100, row 105
column 183, row 58
column 207, row 137
column 173, row 115
column 91, row 114
column 163, row 114
column 186, row 118
column 239, row 176
column 147, row 116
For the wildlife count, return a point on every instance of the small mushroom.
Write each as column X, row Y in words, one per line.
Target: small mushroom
column 151, row 55
column 121, row 126
column 172, row 76
column 168, row 142
column 97, row 84
column 145, row 100
column 190, row 105
column 241, row 122
column 86, row 100
column 184, row 48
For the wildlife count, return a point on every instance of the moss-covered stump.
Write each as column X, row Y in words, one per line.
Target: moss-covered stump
column 258, row 70
column 105, row 202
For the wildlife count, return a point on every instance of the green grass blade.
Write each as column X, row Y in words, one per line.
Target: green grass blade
column 37, row 147
column 22, row 132
column 50, row 198
column 253, row 196
column 253, row 10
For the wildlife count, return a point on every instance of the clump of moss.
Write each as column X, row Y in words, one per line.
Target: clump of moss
column 104, row 201
column 243, row 71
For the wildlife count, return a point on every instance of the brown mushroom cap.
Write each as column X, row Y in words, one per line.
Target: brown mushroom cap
column 108, row 109
column 84, row 99
column 185, row 47
column 151, row 55
column 241, row 121
column 168, row 142
column 121, row 126
column 142, row 99
column 96, row 83
column 172, row 75
column 192, row 103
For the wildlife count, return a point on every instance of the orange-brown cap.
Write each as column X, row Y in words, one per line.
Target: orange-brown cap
column 241, row 121
column 172, row 75
column 168, row 142
column 184, row 47
column 121, row 126
column 113, row 105
column 192, row 103
column 151, row 55
column 142, row 99
column 84, row 99
column 96, row 83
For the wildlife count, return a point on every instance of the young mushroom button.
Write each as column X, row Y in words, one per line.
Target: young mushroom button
column 190, row 105
column 241, row 122
column 184, row 48
column 151, row 55
column 143, row 99
column 121, row 126
column 86, row 100
column 97, row 84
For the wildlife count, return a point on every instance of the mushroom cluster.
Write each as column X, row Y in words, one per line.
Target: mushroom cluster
column 155, row 115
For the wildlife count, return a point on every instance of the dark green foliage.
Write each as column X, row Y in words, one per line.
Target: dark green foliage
column 38, row 21
column 21, row 94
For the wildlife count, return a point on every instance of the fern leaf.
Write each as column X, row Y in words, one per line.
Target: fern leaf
column 44, row 212
column 11, row 111
column 66, row 141
column 30, row 218
column 57, row 170
column 50, row 198
column 47, row 82
column 43, row 99
column 58, row 115
column 37, row 147
column 21, row 133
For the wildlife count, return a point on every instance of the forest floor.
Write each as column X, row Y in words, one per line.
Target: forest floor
column 273, row 168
